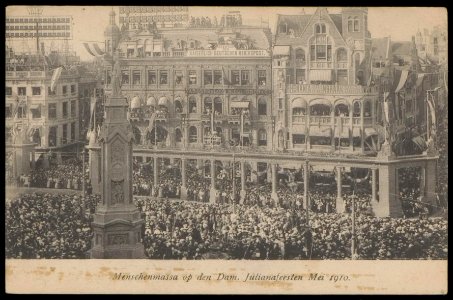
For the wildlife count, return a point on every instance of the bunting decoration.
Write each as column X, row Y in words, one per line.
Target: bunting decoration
column 93, row 49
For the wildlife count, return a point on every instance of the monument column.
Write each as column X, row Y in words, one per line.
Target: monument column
column 213, row 192
column 339, row 201
column 274, row 194
column 183, row 179
column 117, row 222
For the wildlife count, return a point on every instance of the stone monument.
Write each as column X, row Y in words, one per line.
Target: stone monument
column 117, row 222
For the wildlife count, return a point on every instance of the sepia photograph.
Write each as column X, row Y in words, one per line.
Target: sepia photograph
column 249, row 150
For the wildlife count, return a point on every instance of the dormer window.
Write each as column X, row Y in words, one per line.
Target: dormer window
column 356, row 24
column 320, row 28
column 284, row 28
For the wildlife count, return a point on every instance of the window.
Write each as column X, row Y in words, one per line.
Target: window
column 218, row 105
column 245, row 77
column 367, row 109
column 298, row 139
column 207, row 77
column 356, row 109
column 53, row 136
column 262, row 138
column 52, row 111
column 280, row 103
column 192, row 134
column 192, row 105
column 321, row 49
column 65, row 109
column 136, row 77
column 21, row 112
column 73, row 128
column 178, row 135
column 217, row 77
column 300, row 54
column 65, row 134
column 73, row 89
column 163, row 77
column 73, row 108
column 262, row 107
column 178, row 77
column 8, row 112
column 300, row 76
column 192, row 77
column 8, row 91
column 320, row 28
column 22, row 91
column 124, row 77
column 36, row 91
column 283, row 28
column 261, row 77
column 50, row 92
column 152, row 77
column 130, row 52
column 289, row 76
column 235, row 77
column 65, row 90
column 350, row 24
column 356, row 24
column 36, row 112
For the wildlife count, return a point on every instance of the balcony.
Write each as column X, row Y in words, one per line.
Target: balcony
column 300, row 119
column 342, row 65
column 330, row 89
column 321, row 65
column 321, row 120
column 37, row 74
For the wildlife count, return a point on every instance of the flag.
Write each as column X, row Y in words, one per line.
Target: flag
column 225, row 77
column 92, row 110
column 93, row 49
column 55, row 76
column 431, row 108
column 386, row 107
column 403, row 79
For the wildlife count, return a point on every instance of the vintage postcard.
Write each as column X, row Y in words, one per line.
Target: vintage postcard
column 226, row 150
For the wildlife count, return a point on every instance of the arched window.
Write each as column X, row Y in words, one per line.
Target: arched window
column 299, row 108
column 320, row 28
column 367, row 109
column 262, row 107
column 192, row 104
column 356, row 109
column 321, row 49
column 178, row 107
column 262, row 137
column 356, row 24
column 342, row 55
column 218, row 105
column 350, row 24
column 341, row 110
column 300, row 54
column 178, row 135
column 193, row 136
column 207, row 108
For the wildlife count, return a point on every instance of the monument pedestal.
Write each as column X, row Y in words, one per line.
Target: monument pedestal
column 274, row 197
column 340, row 205
column 213, row 196
column 183, row 193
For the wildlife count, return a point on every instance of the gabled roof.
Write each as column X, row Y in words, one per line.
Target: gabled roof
column 295, row 22
column 338, row 21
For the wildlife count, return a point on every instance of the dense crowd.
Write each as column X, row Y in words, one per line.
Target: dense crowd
column 42, row 225
column 56, row 226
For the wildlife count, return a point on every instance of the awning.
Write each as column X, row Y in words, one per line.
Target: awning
column 35, row 106
column 130, row 46
column 163, row 101
column 320, row 75
column 370, row 132
column 151, row 101
column 240, row 104
column 299, row 103
column 344, row 134
column 319, row 131
column 356, row 132
column 281, row 50
column 135, row 103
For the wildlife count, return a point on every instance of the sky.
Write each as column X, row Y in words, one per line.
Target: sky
column 90, row 21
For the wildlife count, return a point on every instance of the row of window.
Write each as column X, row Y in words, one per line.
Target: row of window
column 210, row 77
column 36, row 111
column 33, row 27
column 65, row 138
column 41, row 20
column 36, row 90
column 235, row 133
column 320, row 28
column 41, row 34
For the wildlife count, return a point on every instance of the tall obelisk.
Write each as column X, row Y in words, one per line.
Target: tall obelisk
column 117, row 222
